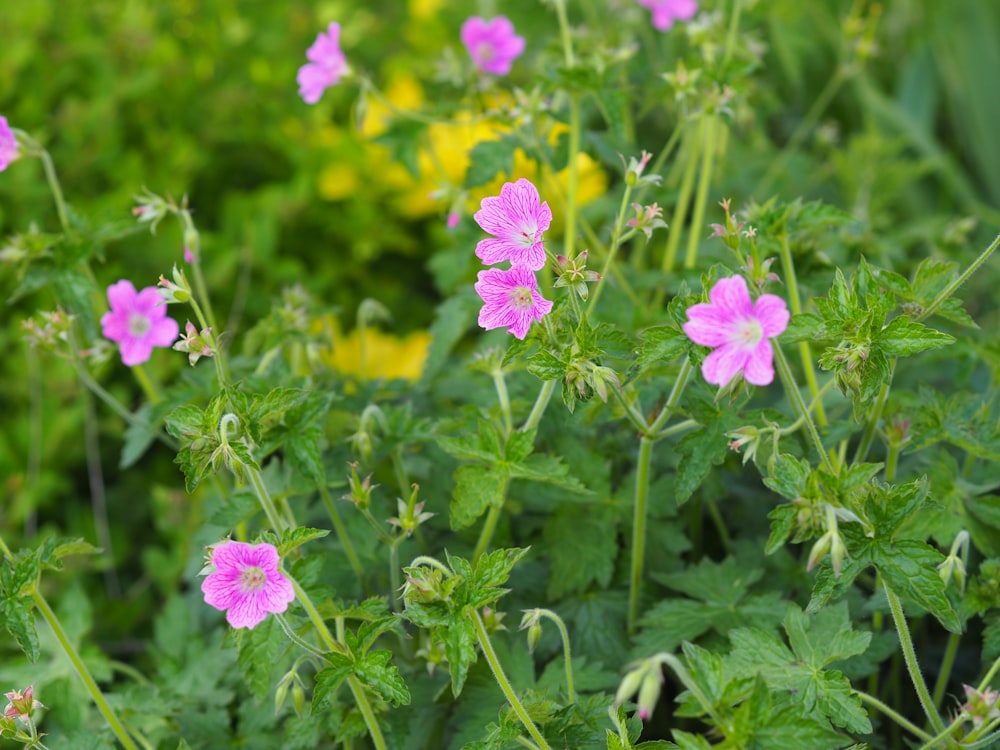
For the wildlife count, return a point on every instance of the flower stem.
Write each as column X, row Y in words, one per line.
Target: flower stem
column 692, row 142
column 213, row 342
column 357, row 689
column 949, row 660
column 147, row 384
column 502, row 681
column 504, row 399
column 266, row 503
column 795, row 301
column 489, row 525
column 639, row 507
column 56, row 188
column 704, row 182
column 949, row 290
column 616, row 241
column 544, row 395
column 910, row 657
column 792, row 389
column 81, row 669
column 564, row 634
column 342, row 536
column 902, row 721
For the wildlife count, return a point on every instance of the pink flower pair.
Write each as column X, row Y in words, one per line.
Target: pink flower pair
column 517, row 218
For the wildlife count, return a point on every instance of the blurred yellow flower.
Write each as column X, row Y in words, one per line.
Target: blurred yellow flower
column 386, row 356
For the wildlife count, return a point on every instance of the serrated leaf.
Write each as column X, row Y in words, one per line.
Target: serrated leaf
column 783, row 521
column 20, row 623
column 724, row 583
column 901, row 338
column 259, row 649
column 301, row 449
column 519, row 445
column 331, row 678
column 378, row 673
column 661, row 345
column 292, row 539
column 459, row 639
column 548, row 469
column 789, row 476
column 801, row 327
column 828, row 636
column 546, row 366
column 476, row 489
column 909, row 567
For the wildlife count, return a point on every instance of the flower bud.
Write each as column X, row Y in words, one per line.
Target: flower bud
column 361, row 489
column 649, row 692
column 21, row 705
column 194, row 343
column 176, row 291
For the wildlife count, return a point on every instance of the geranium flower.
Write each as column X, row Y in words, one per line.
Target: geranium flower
column 326, row 67
column 510, row 299
column 8, row 144
column 739, row 330
column 246, row 583
column 517, row 218
column 665, row 12
column 137, row 322
column 492, row 45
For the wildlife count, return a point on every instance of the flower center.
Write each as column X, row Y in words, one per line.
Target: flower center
column 485, row 52
column 748, row 333
column 520, row 298
column 138, row 325
column 526, row 237
column 252, row 579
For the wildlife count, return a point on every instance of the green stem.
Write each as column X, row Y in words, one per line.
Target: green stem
column 219, row 358
column 402, row 479
column 795, row 301
column 81, row 669
column 544, row 395
column 874, row 417
column 785, row 373
column 564, row 634
column 56, row 188
column 946, row 665
column 357, row 689
column 910, row 656
column 147, row 384
column 504, row 399
column 704, row 183
column 298, row 640
column 734, row 25
column 949, row 290
column 639, row 529
column 934, row 742
column 685, row 677
column 631, row 413
column 574, row 133
column 616, row 241
column 687, row 424
column 394, row 581
column 266, row 503
column 891, row 461
column 342, row 536
column 489, row 526
column 502, row 681
column 693, row 144
column 902, row 721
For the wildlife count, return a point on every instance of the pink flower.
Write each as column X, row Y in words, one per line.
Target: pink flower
column 247, row 583
column 137, row 321
column 21, row 705
column 8, row 145
column 739, row 330
column 665, row 12
column 326, row 67
column 517, row 219
column 510, row 299
column 492, row 45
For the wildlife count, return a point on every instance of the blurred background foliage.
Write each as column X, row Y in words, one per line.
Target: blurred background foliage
column 199, row 98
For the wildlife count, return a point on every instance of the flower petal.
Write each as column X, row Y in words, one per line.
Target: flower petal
column 707, row 325
column 723, row 364
column 121, row 295
column 772, row 312
column 759, row 369
column 732, row 298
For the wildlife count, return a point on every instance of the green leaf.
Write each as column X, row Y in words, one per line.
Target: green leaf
column 382, row 677
column 784, row 519
column 452, row 319
column 821, row 639
column 459, row 639
column 910, row 569
column 802, row 327
column 487, row 159
column 292, row 539
column 582, row 548
column 20, row 623
column 724, row 583
column 139, row 435
column 302, row 449
column 259, row 649
column 699, row 452
column 402, row 139
column 331, row 678
column 548, row 469
column 902, row 338
column 519, row 445
column 661, row 345
column 476, row 489
column 482, row 444
column 546, row 366
column 789, row 476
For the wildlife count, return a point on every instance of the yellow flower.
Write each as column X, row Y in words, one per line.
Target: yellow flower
column 386, row 356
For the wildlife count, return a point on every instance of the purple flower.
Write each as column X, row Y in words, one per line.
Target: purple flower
column 510, row 298
column 246, row 582
column 492, row 45
column 8, row 144
column 739, row 330
column 137, row 321
column 665, row 12
column 326, row 67
column 517, row 219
